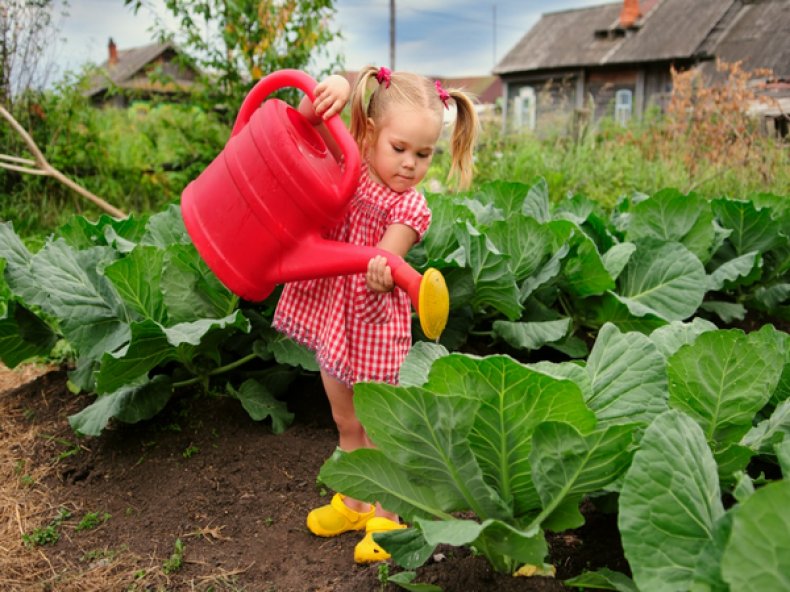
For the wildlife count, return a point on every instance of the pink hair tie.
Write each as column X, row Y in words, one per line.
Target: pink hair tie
column 384, row 75
column 443, row 94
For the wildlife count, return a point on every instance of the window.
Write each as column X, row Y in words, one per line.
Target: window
column 524, row 108
column 623, row 106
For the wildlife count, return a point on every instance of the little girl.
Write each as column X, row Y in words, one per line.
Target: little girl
column 360, row 325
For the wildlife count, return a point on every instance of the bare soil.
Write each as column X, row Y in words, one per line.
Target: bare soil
column 234, row 494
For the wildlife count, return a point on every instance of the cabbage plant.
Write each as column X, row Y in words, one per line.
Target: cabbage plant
column 143, row 316
column 485, row 452
column 490, row 453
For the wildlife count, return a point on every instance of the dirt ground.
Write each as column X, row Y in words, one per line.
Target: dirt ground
column 203, row 498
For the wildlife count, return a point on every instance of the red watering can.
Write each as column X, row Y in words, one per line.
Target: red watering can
column 255, row 214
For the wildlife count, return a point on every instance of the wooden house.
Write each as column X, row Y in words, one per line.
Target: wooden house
column 616, row 58
column 154, row 70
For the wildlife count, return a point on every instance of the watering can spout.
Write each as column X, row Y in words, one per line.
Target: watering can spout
column 316, row 257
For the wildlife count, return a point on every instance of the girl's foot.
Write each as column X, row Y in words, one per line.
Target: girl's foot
column 367, row 550
column 337, row 518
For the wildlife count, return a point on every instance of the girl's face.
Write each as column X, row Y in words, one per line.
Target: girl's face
column 403, row 144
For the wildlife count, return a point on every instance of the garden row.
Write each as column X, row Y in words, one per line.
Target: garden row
column 650, row 402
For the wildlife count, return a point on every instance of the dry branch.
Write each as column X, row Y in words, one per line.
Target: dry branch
column 40, row 166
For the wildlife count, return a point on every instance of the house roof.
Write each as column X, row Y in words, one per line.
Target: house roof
column 674, row 29
column 562, row 39
column 130, row 63
column 759, row 35
column 668, row 30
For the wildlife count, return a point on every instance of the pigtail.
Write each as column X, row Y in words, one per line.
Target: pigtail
column 464, row 137
column 359, row 111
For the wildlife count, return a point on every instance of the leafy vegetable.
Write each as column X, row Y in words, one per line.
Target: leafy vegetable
column 140, row 309
column 669, row 503
column 516, row 447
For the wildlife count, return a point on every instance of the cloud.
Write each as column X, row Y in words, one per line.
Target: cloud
column 459, row 38
column 433, row 37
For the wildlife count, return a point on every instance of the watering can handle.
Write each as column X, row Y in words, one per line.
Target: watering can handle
column 298, row 79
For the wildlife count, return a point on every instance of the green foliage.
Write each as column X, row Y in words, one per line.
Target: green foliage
column 133, row 300
column 675, row 530
column 756, row 555
column 144, row 317
column 512, row 445
column 176, row 560
column 672, row 450
column 49, row 534
column 247, row 39
column 92, row 520
column 190, row 451
column 405, row 580
column 608, row 162
column 519, row 446
column 138, row 159
column 533, row 272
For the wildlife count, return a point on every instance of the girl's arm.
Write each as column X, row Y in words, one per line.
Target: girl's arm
column 331, row 95
column 397, row 239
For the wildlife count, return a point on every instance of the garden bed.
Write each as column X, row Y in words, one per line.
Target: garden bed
column 234, row 494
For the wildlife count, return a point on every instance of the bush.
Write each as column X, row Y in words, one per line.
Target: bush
column 706, row 143
column 137, row 159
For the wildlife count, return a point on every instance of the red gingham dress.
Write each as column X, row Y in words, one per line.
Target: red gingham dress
column 357, row 335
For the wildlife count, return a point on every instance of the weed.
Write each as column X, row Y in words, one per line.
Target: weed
column 97, row 554
column 176, row 560
column 92, row 520
column 190, row 451
column 91, row 556
column 49, row 534
column 147, row 446
column 322, row 490
column 71, row 448
column 383, row 575
column 19, row 470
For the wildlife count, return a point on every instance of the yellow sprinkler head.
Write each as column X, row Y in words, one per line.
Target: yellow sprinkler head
column 434, row 303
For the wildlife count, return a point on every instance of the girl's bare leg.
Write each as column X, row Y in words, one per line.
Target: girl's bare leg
column 350, row 431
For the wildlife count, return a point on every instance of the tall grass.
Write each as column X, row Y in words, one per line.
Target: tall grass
column 706, row 143
column 611, row 161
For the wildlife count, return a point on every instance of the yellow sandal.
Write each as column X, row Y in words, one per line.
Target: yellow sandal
column 337, row 518
column 367, row 550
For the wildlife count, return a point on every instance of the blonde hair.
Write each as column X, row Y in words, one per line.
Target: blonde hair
column 416, row 91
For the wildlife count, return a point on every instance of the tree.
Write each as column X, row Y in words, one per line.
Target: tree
column 27, row 29
column 236, row 42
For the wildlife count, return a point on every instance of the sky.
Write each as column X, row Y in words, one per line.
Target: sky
column 433, row 37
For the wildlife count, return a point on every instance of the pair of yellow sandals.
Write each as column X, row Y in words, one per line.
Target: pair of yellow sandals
column 337, row 518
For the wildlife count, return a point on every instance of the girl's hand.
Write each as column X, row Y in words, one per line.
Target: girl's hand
column 379, row 275
column 331, row 95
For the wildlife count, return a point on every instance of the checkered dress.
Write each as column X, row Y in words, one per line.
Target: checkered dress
column 357, row 335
